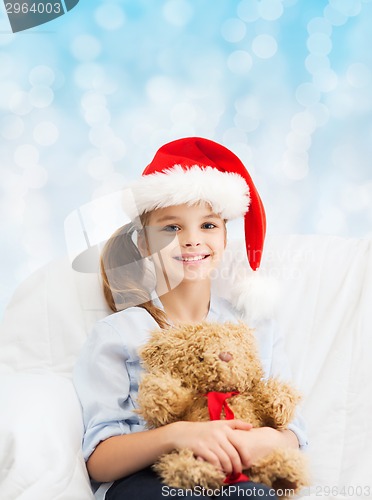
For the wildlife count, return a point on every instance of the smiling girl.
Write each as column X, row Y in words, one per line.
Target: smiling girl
column 182, row 202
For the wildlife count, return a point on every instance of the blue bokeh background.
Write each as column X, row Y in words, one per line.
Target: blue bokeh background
column 86, row 100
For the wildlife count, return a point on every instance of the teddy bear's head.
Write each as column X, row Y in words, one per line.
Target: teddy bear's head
column 205, row 356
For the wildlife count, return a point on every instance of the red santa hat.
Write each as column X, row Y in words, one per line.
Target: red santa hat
column 195, row 169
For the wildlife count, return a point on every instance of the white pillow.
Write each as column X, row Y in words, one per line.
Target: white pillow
column 40, row 439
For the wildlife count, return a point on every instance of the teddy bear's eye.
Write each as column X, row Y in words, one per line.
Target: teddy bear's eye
column 201, row 358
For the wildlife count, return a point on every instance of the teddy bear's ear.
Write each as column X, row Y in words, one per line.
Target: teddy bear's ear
column 151, row 355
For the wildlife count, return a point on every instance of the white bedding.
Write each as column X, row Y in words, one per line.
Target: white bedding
column 325, row 313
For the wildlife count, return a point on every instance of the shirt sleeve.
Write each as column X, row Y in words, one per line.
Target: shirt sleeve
column 103, row 385
column 280, row 368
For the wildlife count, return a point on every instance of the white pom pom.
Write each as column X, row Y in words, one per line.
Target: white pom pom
column 256, row 297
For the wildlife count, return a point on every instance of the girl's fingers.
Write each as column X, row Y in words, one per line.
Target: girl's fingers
column 224, row 458
column 239, row 424
column 212, row 458
column 235, row 463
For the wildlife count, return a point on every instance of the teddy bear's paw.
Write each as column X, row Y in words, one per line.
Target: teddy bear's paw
column 162, row 399
column 180, row 469
column 285, row 470
column 279, row 403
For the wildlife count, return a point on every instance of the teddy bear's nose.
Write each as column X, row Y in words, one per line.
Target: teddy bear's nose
column 225, row 356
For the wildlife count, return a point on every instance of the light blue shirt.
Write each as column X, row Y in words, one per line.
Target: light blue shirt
column 107, row 373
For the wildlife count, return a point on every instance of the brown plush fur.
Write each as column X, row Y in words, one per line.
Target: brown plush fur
column 182, row 365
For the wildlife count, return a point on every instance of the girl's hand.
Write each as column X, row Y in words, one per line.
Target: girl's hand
column 212, row 442
column 259, row 442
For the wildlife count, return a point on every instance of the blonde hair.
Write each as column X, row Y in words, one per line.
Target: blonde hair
column 123, row 273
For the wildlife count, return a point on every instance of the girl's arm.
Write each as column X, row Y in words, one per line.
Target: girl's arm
column 119, row 456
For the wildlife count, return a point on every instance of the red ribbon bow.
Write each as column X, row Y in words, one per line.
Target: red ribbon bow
column 216, row 403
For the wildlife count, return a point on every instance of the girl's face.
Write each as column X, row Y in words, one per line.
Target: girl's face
column 185, row 242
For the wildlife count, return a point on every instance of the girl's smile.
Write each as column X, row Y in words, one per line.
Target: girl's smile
column 192, row 258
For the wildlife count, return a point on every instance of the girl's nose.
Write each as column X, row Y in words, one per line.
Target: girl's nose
column 191, row 238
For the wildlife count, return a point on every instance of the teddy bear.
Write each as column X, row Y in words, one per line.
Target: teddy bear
column 204, row 371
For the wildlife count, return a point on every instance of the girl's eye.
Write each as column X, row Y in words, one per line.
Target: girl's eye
column 171, row 228
column 208, row 225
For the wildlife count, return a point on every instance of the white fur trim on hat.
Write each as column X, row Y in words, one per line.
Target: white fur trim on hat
column 226, row 192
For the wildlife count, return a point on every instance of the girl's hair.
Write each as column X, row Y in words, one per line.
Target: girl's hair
column 123, row 272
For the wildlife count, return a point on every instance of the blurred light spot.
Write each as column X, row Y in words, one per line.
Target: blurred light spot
column 6, row 35
column 340, row 104
column 315, row 63
column 41, row 96
column 248, row 10
column 91, row 98
column 19, row 102
column 295, row 165
column 114, row 149
column 101, row 135
column 346, row 7
column 298, row 142
column 358, row 75
column 99, row 167
column 160, row 89
column 178, row 12
column 183, row 112
column 331, row 220
column 264, row 46
column 109, row 16
column 357, row 197
column 249, row 106
column 239, row 62
column 247, row 123
column 233, row 30
column 35, row 176
column 46, row 133
column 320, row 112
column 334, row 16
column 234, row 135
column 110, row 184
column 37, row 243
column 344, row 157
column 140, row 129
column 326, row 80
column 303, row 123
column 244, row 152
column 307, row 94
column 107, row 85
column 37, row 213
column 12, row 184
column 26, row 155
column 89, row 75
column 41, row 75
column 6, row 64
column 13, row 206
column 270, row 9
column 86, row 48
column 184, row 130
column 11, row 127
column 97, row 115
column 59, row 79
column 319, row 44
column 319, row 25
